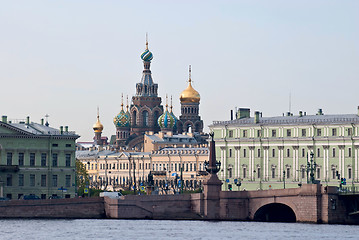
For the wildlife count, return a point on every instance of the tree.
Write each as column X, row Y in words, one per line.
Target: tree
column 82, row 177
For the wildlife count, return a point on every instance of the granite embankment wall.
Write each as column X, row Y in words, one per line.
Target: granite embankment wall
column 53, row 208
column 186, row 206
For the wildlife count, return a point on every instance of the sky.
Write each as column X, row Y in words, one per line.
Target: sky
column 65, row 58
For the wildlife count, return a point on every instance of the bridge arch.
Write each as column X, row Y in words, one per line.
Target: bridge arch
column 275, row 212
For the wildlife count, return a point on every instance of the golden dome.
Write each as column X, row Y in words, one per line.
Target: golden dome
column 98, row 127
column 190, row 95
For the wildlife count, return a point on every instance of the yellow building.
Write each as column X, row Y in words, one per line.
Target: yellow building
column 113, row 171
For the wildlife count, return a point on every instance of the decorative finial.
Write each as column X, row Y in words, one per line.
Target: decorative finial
column 122, row 101
column 127, row 104
column 166, row 102
column 146, row 41
column 98, row 112
column 190, row 74
column 171, row 104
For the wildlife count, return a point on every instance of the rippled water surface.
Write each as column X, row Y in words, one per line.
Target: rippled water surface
column 156, row 229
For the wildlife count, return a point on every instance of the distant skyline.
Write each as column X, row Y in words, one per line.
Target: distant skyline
column 65, row 58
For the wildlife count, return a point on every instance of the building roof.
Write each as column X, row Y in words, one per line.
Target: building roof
column 179, row 138
column 38, row 129
column 292, row 120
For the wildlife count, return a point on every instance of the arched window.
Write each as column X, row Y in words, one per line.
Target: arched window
column 155, row 118
column 133, row 118
column 145, row 118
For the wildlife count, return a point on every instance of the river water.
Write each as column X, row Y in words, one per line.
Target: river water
column 161, row 229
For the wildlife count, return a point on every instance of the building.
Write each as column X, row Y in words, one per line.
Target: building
column 36, row 159
column 144, row 114
column 275, row 152
column 113, row 170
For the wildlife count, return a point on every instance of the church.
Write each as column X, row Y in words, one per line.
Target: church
column 147, row 115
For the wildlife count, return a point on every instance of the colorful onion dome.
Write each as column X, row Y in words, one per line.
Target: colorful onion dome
column 173, row 115
column 166, row 120
column 146, row 55
column 189, row 95
column 97, row 127
column 123, row 118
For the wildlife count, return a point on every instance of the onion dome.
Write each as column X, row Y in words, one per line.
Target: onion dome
column 146, row 55
column 189, row 95
column 123, row 118
column 167, row 120
column 97, row 127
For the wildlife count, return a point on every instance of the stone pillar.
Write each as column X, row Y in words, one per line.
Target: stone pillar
column 211, row 192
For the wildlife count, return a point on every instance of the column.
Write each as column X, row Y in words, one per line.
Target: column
column 238, row 161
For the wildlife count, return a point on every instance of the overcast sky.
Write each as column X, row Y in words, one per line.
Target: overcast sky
column 65, row 58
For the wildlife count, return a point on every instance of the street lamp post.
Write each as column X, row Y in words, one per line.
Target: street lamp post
column 284, row 179
column 311, row 166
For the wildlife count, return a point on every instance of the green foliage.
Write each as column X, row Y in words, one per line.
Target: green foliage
column 82, row 178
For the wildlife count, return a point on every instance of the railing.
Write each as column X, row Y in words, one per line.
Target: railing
column 350, row 190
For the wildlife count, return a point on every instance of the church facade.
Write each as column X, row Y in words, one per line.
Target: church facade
column 146, row 114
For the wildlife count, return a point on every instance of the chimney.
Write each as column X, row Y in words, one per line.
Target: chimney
column 61, row 129
column 256, row 117
column 66, row 128
column 300, row 114
column 4, row 118
column 27, row 120
column 42, row 121
column 231, row 115
column 320, row 111
column 305, row 113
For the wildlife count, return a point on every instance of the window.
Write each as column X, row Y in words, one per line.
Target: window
column 288, row 152
column 333, row 154
column 32, row 180
column 244, row 133
column 244, row 172
column 319, row 132
column 273, row 152
column 32, row 159
column 43, row 180
column 258, row 173
column 304, row 132
column 230, row 152
column 230, row 172
column 273, row 172
column 303, row 152
column 318, row 152
column 21, row 180
column 68, row 181
column 194, row 167
column 9, row 180
column 333, row 173
column 145, row 118
column 349, row 173
column 244, row 152
column 350, row 131
column 9, row 158
column 318, row 173
column 230, row 133
column 349, row 152
column 54, row 160
column 259, row 133
column 334, row 132
column 68, row 160
column 274, row 133
column 303, row 173
column 190, row 167
column 68, row 145
column 54, row 180
column 55, row 145
column 43, row 159
column 21, row 159
column 289, row 133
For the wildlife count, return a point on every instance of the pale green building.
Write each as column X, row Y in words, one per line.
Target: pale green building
column 36, row 159
column 273, row 152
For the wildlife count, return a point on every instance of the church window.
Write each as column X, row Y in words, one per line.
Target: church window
column 145, row 118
